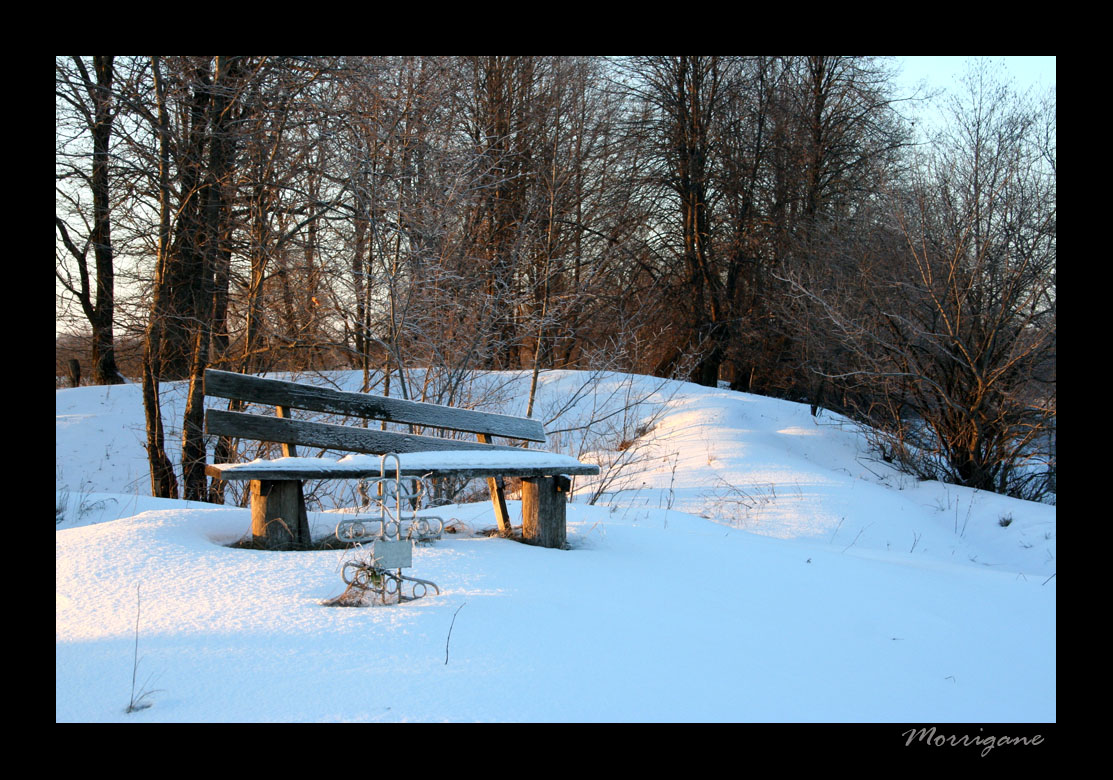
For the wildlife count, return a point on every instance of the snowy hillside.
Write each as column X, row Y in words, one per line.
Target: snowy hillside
column 742, row 561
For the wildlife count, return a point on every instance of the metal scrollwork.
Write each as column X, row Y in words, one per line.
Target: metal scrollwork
column 394, row 495
column 392, row 536
column 363, row 530
column 388, row 586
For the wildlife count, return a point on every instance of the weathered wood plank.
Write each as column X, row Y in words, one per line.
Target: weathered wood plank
column 333, row 437
column 277, row 392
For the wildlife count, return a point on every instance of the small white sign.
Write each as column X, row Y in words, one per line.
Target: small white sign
column 390, row 554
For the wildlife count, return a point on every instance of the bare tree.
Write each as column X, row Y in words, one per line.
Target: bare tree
column 944, row 309
column 87, row 100
column 755, row 157
column 837, row 141
column 426, row 218
column 221, row 91
column 685, row 96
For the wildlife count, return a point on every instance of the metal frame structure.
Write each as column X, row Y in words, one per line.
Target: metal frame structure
column 391, row 549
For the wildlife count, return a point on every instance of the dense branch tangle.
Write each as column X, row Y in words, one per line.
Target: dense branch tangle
column 759, row 220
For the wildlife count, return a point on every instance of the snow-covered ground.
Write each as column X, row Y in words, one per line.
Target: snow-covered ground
column 742, row 561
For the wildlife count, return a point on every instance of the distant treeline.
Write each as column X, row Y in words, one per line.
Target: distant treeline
column 773, row 222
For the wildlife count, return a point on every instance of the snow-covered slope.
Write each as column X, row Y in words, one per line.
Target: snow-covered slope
column 742, row 561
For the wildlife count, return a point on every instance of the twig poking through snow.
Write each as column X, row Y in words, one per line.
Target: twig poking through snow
column 139, row 703
column 449, row 638
column 915, row 540
column 856, row 538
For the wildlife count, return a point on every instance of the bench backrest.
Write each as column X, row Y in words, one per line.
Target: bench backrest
column 294, row 395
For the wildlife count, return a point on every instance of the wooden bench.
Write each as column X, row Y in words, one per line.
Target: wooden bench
column 278, row 514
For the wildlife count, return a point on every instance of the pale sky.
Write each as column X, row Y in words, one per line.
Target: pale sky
column 944, row 71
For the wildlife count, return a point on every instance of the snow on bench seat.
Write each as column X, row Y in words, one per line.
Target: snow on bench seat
column 463, row 463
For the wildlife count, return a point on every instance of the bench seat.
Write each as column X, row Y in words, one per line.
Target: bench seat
column 278, row 513
column 458, row 463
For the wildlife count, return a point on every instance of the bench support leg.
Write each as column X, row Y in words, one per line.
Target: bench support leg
column 543, row 511
column 498, row 499
column 498, row 494
column 278, row 516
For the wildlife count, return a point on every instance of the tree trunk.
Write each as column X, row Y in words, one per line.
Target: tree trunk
column 164, row 483
column 104, row 350
column 185, row 267
column 221, row 154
